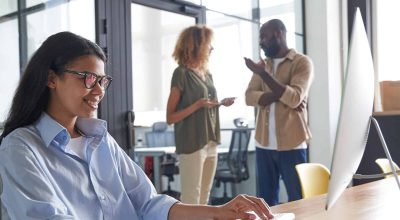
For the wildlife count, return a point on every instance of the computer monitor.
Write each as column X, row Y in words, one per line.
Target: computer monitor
column 355, row 111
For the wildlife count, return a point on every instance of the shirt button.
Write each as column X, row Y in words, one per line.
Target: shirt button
column 102, row 197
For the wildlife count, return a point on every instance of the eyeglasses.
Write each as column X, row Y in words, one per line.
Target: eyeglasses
column 90, row 79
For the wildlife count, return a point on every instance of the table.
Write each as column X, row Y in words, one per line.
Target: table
column 158, row 152
column 375, row 200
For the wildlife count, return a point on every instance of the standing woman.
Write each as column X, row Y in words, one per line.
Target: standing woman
column 193, row 108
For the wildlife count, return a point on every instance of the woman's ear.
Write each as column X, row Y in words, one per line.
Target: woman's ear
column 51, row 79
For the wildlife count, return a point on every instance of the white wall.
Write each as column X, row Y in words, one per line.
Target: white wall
column 324, row 31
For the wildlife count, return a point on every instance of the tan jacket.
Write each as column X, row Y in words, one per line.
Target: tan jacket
column 296, row 72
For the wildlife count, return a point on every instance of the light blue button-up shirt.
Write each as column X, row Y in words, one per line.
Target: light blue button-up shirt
column 43, row 179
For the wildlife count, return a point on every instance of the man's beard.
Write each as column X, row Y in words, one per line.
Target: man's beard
column 272, row 49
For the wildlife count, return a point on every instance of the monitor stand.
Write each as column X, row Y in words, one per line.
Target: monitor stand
column 385, row 148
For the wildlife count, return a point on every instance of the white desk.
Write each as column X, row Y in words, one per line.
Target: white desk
column 158, row 152
column 376, row 200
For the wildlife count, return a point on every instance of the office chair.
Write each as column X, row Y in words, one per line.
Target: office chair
column 384, row 164
column 314, row 179
column 233, row 167
column 161, row 137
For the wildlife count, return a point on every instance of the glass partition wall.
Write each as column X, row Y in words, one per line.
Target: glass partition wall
column 235, row 25
column 151, row 27
column 154, row 33
column 25, row 24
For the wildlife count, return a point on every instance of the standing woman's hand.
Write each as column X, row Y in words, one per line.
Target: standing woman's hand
column 206, row 103
column 227, row 101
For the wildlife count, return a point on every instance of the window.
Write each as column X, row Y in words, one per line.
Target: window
column 51, row 17
column 242, row 9
column 9, row 62
column 290, row 12
column 387, row 40
column 76, row 16
column 7, row 6
column 152, row 62
column 235, row 24
column 233, row 40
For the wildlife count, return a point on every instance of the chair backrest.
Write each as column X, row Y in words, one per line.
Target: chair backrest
column 160, row 136
column 384, row 164
column 314, row 179
column 237, row 156
column 390, row 94
column 240, row 122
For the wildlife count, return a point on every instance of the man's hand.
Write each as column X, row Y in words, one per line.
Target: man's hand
column 267, row 99
column 254, row 67
column 301, row 106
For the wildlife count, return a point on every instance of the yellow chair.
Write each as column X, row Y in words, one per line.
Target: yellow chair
column 384, row 164
column 314, row 179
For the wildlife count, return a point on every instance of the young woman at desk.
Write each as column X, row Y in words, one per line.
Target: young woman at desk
column 58, row 162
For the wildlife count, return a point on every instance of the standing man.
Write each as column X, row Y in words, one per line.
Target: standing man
column 279, row 88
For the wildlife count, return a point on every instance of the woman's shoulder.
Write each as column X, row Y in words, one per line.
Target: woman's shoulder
column 21, row 135
column 181, row 70
column 24, row 139
column 180, row 74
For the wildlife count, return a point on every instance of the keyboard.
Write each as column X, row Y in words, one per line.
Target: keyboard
column 281, row 216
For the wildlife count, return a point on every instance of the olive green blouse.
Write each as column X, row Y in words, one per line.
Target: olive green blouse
column 195, row 131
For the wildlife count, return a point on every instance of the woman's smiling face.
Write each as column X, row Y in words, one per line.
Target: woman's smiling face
column 69, row 98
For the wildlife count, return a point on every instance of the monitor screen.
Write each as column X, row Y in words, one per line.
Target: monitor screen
column 355, row 111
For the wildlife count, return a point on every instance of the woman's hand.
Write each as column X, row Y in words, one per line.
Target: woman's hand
column 206, row 103
column 241, row 207
column 227, row 101
column 244, row 207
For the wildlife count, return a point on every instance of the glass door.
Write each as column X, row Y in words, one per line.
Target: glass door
column 154, row 34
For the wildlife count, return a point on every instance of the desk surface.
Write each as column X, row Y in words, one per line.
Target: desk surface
column 375, row 200
column 159, row 151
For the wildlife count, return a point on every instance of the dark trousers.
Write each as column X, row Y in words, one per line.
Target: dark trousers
column 271, row 166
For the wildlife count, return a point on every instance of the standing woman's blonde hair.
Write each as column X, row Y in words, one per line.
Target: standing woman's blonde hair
column 193, row 47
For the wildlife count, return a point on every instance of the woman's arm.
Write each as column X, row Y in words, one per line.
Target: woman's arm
column 174, row 116
column 238, row 208
column 26, row 189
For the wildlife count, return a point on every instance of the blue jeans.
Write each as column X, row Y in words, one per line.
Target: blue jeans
column 273, row 164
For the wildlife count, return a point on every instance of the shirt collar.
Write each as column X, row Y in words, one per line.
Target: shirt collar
column 50, row 129
column 92, row 126
column 290, row 55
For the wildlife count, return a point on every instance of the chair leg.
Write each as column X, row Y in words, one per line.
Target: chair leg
column 225, row 193
column 169, row 185
column 233, row 189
